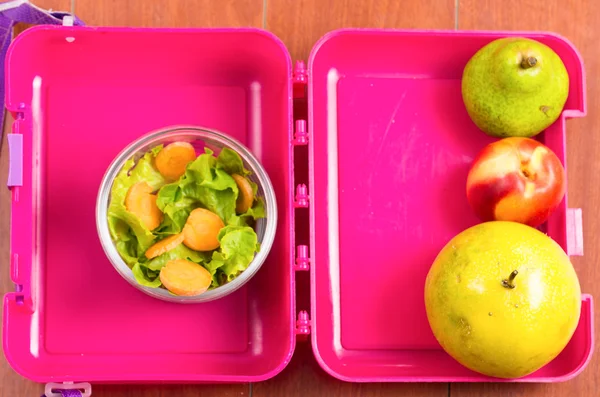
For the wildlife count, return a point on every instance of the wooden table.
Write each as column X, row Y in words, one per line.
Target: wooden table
column 299, row 23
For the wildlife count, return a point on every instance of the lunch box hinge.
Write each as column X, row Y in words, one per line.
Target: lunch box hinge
column 68, row 389
column 303, row 323
column 300, row 75
column 299, row 80
column 301, row 133
column 302, row 258
column 301, row 200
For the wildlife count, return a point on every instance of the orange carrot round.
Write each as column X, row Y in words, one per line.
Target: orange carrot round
column 246, row 195
column 185, row 278
column 164, row 245
column 142, row 203
column 173, row 158
column 201, row 230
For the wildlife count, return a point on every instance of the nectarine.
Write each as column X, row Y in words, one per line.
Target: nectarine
column 516, row 179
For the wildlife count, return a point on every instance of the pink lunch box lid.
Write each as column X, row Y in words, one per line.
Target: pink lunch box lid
column 368, row 149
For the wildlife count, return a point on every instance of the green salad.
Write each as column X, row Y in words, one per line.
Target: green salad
column 185, row 222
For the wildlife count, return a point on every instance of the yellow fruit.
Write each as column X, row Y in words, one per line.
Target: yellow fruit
column 494, row 325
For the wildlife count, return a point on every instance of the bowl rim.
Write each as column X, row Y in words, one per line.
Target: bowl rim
column 198, row 132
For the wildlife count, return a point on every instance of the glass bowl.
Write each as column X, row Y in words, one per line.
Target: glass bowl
column 200, row 138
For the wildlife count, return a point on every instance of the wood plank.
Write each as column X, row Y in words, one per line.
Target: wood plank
column 155, row 13
column 181, row 13
column 12, row 383
column 580, row 23
column 300, row 23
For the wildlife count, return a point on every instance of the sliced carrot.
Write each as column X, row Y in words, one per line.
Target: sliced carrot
column 164, row 245
column 173, row 158
column 185, row 278
column 201, row 230
column 246, row 195
column 142, row 203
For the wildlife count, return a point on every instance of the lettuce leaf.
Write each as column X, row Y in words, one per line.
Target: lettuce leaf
column 144, row 277
column 248, row 218
column 231, row 163
column 144, row 171
column 175, row 207
column 238, row 245
column 179, row 252
column 203, row 185
column 212, row 187
column 128, row 251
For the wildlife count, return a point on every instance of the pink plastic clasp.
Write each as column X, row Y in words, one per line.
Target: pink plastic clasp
column 302, row 258
column 574, row 232
column 301, row 196
column 15, row 160
column 301, row 134
column 303, row 323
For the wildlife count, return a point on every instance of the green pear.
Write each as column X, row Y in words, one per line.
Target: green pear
column 515, row 86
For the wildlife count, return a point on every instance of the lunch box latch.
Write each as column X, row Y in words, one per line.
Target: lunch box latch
column 15, row 150
column 15, row 160
column 574, row 232
column 68, row 389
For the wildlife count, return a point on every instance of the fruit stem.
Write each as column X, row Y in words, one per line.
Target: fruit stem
column 528, row 62
column 509, row 283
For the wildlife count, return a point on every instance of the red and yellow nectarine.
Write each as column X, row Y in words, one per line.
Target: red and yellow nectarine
column 516, row 179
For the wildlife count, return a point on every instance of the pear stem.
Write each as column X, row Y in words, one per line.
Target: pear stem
column 508, row 283
column 528, row 62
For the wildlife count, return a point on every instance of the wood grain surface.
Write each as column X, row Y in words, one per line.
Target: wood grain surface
column 174, row 13
column 300, row 23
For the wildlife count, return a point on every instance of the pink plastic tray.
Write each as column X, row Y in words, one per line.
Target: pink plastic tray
column 369, row 170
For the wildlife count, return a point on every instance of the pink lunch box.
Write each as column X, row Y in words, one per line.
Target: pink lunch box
column 368, row 149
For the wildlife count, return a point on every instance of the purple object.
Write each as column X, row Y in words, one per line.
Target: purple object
column 383, row 177
column 68, row 393
column 67, row 390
